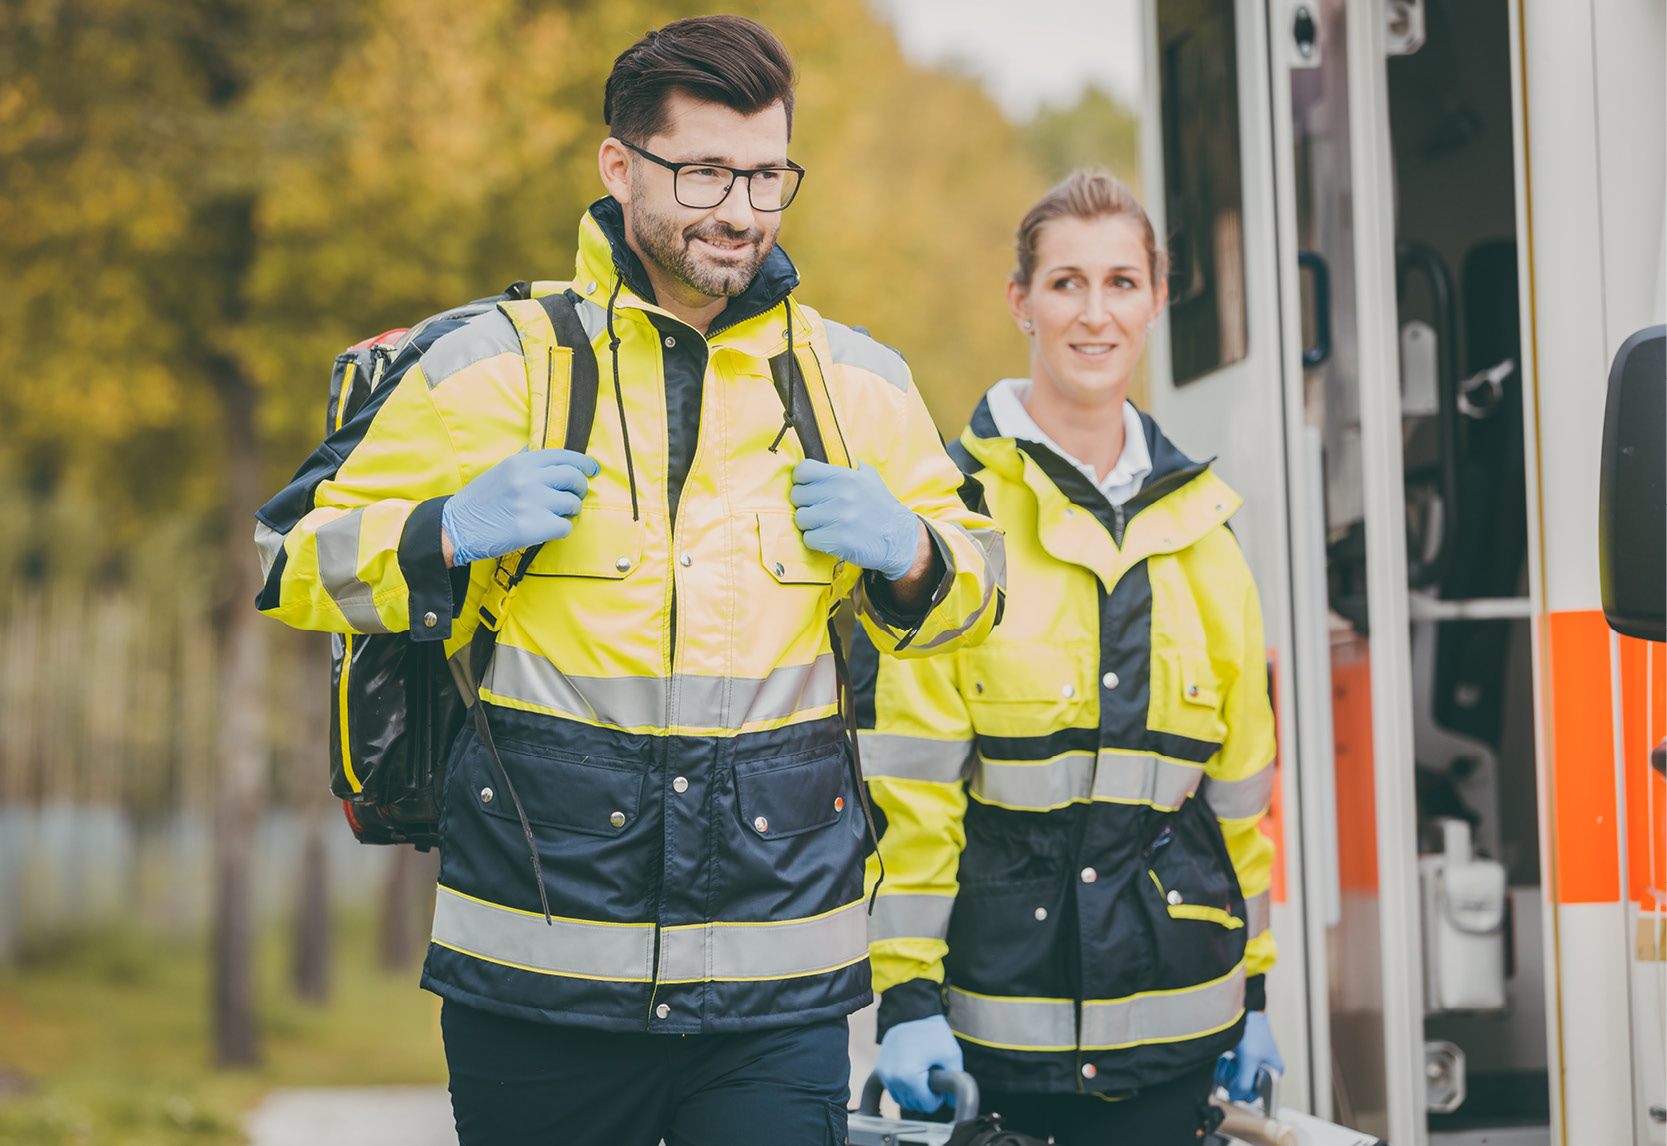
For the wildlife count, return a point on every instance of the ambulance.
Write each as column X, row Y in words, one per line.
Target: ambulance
column 1418, row 254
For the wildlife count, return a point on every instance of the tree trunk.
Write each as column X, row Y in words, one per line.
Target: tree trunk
column 398, row 923
column 311, row 968
column 314, row 930
column 241, row 740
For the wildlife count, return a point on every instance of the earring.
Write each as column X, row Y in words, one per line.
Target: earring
column 1027, row 325
column 1148, row 324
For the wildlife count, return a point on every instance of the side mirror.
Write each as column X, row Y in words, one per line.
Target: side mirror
column 1632, row 489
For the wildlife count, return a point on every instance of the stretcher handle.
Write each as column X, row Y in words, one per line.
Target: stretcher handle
column 957, row 1084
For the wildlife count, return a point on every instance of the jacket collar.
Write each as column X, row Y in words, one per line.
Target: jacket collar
column 1178, row 503
column 604, row 254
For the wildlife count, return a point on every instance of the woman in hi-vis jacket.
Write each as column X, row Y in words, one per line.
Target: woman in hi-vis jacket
column 1076, row 888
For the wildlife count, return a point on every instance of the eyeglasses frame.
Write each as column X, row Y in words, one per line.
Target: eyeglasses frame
column 734, row 173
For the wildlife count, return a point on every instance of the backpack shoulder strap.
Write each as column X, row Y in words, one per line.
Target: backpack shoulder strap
column 808, row 405
column 562, row 409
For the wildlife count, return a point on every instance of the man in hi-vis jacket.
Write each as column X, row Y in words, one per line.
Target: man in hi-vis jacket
column 663, row 689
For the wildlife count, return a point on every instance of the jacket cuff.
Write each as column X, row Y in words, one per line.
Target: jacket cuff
column 1256, row 993
column 430, row 586
column 882, row 598
column 906, row 1002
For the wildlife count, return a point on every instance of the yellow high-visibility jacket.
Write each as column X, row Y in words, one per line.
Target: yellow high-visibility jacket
column 1073, row 867
column 662, row 691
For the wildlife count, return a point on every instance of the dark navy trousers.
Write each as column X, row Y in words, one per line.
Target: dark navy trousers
column 519, row 1083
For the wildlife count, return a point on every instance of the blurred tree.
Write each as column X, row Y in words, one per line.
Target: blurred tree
column 201, row 201
column 1097, row 130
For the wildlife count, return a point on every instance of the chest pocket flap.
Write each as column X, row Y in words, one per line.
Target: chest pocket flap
column 605, row 543
column 786, row 557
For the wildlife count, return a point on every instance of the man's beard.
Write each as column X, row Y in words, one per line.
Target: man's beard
column 660, row 238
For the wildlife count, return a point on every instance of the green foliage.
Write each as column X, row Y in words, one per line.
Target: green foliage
column 1097, row 131
column 106, row 1037
column 199, row 194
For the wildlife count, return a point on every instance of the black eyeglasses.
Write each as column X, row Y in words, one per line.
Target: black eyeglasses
column 702, row 186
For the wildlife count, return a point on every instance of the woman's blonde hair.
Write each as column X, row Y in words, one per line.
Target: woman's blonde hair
column 1086, row 193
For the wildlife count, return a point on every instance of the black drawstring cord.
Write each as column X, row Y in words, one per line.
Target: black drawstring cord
column 619, row 399
column 787, row 416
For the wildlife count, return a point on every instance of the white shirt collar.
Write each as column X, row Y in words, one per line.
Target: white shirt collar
column 1123, row 481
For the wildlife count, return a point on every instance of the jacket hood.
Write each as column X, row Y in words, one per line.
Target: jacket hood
column 603, row 253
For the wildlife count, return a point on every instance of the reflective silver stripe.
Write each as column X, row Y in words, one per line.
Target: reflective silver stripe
column 619, row 951
column 1021, row 1024
column 995, row 576
column 268, row 543
column 910, row 916
column 593, row 318
column 1242, row 799
column 1139, row 779
column 782, row 950
column 1122, row 777
column 661, row 702
column 853, row 349
column 337, row 545
column 900, row 757
column 1037, row 786
column 1257, row 914
column 1163, row 1016
column 487, row 335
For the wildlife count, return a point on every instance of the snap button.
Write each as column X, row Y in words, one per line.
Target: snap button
column 839, row 568
column 430, row 620
column 670, row 342
column 839, row 803
column 1109, row 680
column 1041, row 914
column 761, row 824
column 1192, row 690
column 623, row 564
column 779, row 568
column 978, row 686
column 686, row 560
column 590, row 287
column 1089, row 875
column 1068, row 691
column 1174, row 898
column 1069, row 512
column 486, row 795
column 662, row 1011
column 680, row 785
column 617, row 819
column 1088, row 1070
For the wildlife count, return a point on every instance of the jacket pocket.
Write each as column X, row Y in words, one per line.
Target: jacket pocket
column 1195, row 904
column 577, row 793
column 1186, row 699
column 1028, row 689
column 786, row 557
column 778, row 799
column 605, row 543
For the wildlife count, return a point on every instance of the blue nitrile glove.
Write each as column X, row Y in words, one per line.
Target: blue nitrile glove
column 907, row 1055
column 850, row 514
column 523, row 500
column 1238, row 1068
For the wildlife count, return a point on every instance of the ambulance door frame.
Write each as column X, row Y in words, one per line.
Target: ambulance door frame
column 1257, row 376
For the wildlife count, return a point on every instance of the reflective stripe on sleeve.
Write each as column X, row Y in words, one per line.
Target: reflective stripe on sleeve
column 994, row 546
column 1258, row 915
column 337, row 544
column 898, row 757
column 910, row 916
column 1241, row 799
column 268, row 543
column 1164, row 1016
column 729, row 703
column 1013, row 1023
column 1117, row 777
column 778, row 950
column 620, row 952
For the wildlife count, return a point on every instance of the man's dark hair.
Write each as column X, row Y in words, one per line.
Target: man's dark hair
column 728, row 60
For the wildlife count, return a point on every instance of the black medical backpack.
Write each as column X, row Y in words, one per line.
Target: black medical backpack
column 395, row 704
